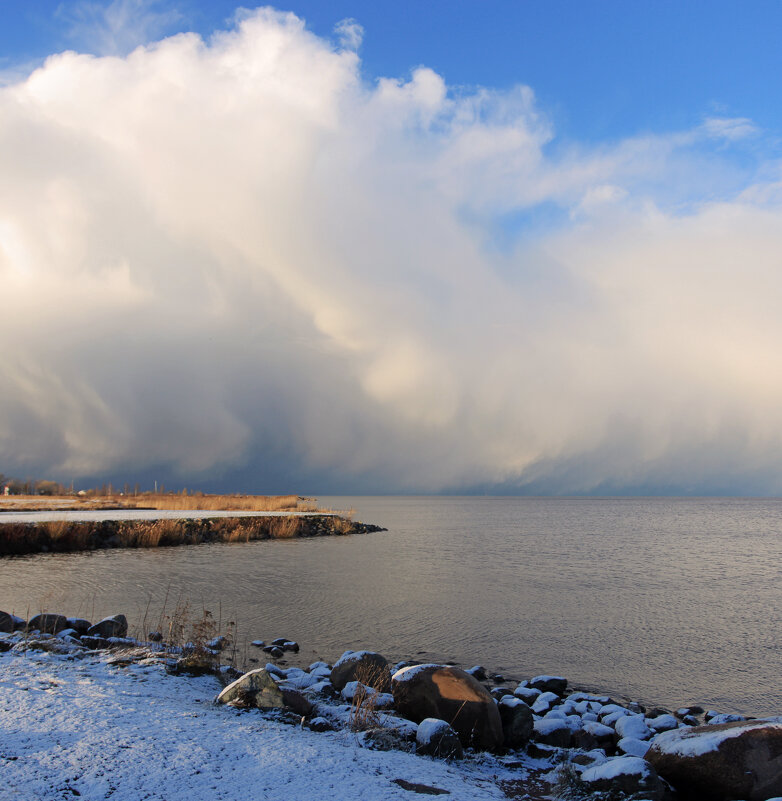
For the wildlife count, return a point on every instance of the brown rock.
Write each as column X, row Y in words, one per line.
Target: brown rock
column 297, row 702
column 726, row 761
column 450, row 694
column 115, row 626
column 254, row 689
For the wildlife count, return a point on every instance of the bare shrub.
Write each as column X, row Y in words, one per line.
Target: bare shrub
column 283, row 528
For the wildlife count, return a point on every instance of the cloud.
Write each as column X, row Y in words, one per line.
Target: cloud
column 350, row 33
column 239, row 257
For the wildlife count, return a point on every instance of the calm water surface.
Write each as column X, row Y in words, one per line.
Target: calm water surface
column 669, row 601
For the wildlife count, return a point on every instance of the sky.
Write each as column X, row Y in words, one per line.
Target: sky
column 529, row 247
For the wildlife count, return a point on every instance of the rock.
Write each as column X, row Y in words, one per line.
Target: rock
column 254, row 689
column 379, row 738
column 10, row 623
column 477, row 672
column 294, row 700
column 436, row 738
column 544, row 702
column 449, row 694
column 318, row 724
column 664, row 722
column 368, row 667
column 291, row 645
column 742, row 759
column 631, row 747
column 258, row 643
column 217, row 643
column 81, row 625
column 633, row 726
column 527, row 694
column 275, row 652
column 517, row 722
column 198, row 663
column 549, row 684
column 155, row 636
column 629, row 775
column 553, row 731
column 114, row 626
column 94, row 642
column 48, row 623
column 421, row 789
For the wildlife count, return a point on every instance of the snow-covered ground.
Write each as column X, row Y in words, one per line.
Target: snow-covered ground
column 83, row 728
column 82, row 515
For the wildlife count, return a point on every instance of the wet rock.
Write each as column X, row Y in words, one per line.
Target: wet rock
column 436, row 738
column 368, row 667
column 256, row 689
column 742, row 759
column 449, row 694
column 48, row 623
column 114, row 626
column 291, row 645
column 517, row 722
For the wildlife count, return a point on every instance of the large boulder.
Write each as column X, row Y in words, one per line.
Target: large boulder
column 254, row 689
column 369, row 668
column 449, row 694
column 735, row 760
column 624, row 775
column 114, row 626
column 48, row 623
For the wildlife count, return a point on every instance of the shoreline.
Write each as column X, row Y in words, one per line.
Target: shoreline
column 569, row 732
column 155, row 528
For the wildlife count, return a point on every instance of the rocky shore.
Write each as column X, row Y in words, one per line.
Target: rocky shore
column 79, row 535
column 536, row 738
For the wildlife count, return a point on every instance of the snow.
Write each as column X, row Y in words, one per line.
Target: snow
column 618, row 766
column 633, row 747
column 80, row 725
column 632, row 726
column 689, row 742
column 429, row 728
column 407, row 673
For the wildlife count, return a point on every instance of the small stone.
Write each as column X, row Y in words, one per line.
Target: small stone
column 114, row 626
column 436, row 738
column 48, row 623
column 254, row 689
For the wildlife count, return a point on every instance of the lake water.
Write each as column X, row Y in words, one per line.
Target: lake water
column 669, row 601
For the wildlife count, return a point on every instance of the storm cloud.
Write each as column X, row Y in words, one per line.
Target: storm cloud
column 241, row 256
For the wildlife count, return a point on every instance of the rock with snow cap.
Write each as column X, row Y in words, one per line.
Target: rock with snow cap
column 254, row 689
column 114, row 626
column 627, row 775
column 742, row 759
column 527, row 694
column 544, row 702
column 549, row 684
column 633, row 726
column 367, row 667
column 450, row 694
column 81, row 625
column 8, row 622
column 517, row 721
column 438, row 739
column 553, row 731
column 632, row 747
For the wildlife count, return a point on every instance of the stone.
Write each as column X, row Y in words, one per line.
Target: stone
column 544, row 702
column 10, row 623
column 256, row 689
column 291, row 645
column 368, row 667
column 632, row 747
column 627, row 775
column 436, row 738
column 48, row 623
column 114, row 626
column 517, row 722
column 633, row 726
column 94, row 642
column 552, row 731
column 527, row 694
column 549, row 684
column 296, row 701
column 478, row 672
column 449, row 694
column 318, row 724
column 741, row 759
column 81, row 625
column 197, row 663
column 664, row 722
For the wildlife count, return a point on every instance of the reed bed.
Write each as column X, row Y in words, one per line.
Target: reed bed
column 63, row 536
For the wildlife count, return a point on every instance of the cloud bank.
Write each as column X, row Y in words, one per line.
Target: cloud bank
column 242, row 257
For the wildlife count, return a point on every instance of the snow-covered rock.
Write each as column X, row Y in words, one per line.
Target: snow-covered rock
column 632, row 747
column 625, row 774
column 544, row 702
column 633, row 726
column 517, row 721
column 437, row 738
column 367, row 666
column 254, row 689
column 553, row 684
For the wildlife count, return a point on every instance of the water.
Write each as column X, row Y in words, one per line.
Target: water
column 669, row 601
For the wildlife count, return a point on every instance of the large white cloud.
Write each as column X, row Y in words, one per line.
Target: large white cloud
column 211, row 251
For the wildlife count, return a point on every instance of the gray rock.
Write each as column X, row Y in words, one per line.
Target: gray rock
column 549, row 684
column 256, row 689
column 627, row 775
column 81, row 625
column 553, row 731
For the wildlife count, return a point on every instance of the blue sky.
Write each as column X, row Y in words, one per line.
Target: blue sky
column 603, row 70
column 525, row 247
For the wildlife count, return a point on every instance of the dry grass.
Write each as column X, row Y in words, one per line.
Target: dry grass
column 364, row 713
